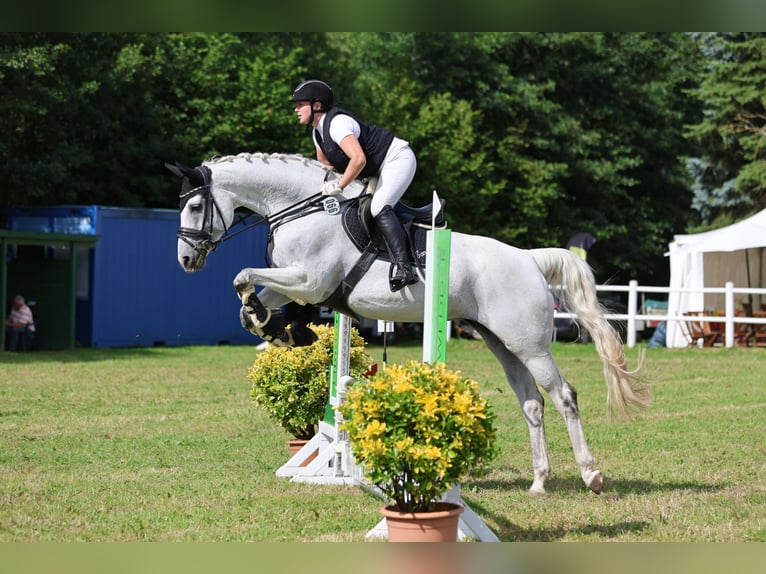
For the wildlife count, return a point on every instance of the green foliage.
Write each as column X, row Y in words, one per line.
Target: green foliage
column 417, row 429
column 534, row 137
column 291, row 383
column 232, row 95
column 730, row 173
column 530, row 137
column 91, row 118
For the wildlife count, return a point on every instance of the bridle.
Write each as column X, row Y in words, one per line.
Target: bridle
column 201, row 240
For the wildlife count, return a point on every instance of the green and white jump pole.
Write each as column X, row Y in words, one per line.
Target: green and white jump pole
column 435, row 308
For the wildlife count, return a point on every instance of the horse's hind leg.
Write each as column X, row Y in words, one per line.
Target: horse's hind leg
column 564, row 397
column 531, row 401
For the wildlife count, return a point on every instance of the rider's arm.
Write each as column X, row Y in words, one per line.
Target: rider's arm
column 357, row 160
column 323, row 158
column 345, row 131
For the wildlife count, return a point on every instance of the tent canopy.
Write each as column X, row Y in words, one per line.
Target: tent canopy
column 749, row 233
column 687, row 265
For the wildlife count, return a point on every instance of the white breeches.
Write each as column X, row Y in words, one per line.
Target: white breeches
column 395, row 177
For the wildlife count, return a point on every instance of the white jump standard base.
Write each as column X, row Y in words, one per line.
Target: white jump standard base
column 334, row 463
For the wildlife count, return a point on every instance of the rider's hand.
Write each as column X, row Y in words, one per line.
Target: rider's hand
column 331, row 188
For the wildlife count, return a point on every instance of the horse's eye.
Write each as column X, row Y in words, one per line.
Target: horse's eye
column 195, row 206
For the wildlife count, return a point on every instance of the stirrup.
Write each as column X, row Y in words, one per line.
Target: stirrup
column 404, row 277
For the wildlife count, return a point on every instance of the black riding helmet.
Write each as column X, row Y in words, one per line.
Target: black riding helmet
column 314, row 91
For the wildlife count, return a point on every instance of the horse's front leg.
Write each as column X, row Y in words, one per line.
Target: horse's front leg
column 262, row 315
column 290, row 282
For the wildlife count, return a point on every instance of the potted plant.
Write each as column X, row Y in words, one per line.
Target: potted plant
column 292, row 383
column 417, row 429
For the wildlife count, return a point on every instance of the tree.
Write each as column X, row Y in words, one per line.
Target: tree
column 534, row 137
column 91, row 118
column 730, row 173
column 529, row 137
column 80, row 123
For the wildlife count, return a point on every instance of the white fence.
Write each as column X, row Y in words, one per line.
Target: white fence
column 633, row 318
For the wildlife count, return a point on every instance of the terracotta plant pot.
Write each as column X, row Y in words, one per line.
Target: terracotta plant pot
column 438, row 525
column 296, row 445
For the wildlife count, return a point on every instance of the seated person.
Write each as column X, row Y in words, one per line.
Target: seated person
column 20, row 325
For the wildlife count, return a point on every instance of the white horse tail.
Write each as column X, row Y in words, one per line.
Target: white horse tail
column 627, row 390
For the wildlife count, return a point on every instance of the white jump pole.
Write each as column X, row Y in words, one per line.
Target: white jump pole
column 334, row 462
column 435, row 335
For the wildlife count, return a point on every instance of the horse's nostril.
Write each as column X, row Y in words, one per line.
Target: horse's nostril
column 186, row 260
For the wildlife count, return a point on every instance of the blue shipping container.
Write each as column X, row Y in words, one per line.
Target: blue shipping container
column 131, row 290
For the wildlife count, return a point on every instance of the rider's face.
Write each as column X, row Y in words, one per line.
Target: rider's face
column 303, row 111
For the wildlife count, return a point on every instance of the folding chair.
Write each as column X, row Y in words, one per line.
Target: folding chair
column 699, row 330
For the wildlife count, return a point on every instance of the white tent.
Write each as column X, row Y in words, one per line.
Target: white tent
column 687, row 265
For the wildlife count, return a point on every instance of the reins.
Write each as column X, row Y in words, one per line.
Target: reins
column 299, row 209
column 204, row 235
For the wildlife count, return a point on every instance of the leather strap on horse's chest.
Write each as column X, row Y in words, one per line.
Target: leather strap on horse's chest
column 338, row 300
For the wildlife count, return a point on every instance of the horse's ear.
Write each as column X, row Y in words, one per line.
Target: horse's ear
column 180, row 169
column 174, row 169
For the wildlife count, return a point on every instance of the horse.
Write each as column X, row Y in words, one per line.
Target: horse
column 504, row 292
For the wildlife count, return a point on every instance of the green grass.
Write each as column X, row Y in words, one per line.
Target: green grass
column 165, row 444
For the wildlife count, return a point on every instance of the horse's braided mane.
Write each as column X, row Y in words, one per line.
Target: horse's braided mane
column 266, row 156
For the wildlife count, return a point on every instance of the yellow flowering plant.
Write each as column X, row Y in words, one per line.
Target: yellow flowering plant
column 416, row 429
column 292, row 383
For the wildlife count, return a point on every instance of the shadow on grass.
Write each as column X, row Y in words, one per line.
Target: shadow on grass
column 618, row 487
column 91, row 354
column 512, row 532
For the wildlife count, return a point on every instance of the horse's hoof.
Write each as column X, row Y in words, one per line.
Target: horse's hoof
column 537, row 490
column 597, row 483
column 302, row 335
column 245, row 320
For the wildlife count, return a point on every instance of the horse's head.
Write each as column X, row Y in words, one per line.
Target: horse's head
column 205, row 215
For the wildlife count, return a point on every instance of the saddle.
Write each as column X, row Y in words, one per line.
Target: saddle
column 359, row 226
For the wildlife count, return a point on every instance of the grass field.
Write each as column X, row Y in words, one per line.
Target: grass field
column 165, row 444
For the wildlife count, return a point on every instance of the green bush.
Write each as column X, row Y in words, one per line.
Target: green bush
column 292, row 383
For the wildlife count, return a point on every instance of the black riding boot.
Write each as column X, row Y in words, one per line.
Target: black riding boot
column 401, row 273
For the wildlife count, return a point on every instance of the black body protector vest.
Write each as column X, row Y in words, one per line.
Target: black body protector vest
column 374, row 140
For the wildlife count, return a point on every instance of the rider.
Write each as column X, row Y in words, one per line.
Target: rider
column 358, row 149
